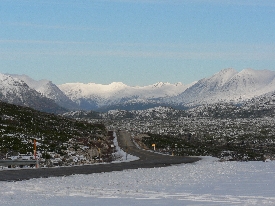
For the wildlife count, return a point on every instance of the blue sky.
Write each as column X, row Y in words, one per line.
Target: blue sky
column 137, row 42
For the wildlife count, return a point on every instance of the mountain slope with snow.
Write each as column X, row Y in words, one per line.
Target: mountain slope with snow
column 93, row 96
column 228, row 85
column 49, row 90
column 16, row 91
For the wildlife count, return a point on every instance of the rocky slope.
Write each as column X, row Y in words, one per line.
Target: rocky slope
column 228, row 85
column 49, row 90
column 16, row 91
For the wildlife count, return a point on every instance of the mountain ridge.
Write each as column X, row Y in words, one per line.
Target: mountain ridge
column 16, row 91
column 98, row 95
column 227, row 85
column 49, row 90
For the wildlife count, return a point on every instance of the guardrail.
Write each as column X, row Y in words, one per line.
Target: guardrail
column 17, row 162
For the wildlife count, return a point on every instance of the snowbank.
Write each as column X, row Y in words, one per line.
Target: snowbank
column 120, row 155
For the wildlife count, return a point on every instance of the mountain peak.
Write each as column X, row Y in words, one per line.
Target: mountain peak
column 229, row 72
column 160, row 84
column 178, row 84
column 117, row 85
column 15, row 91
column 47, row 89
column 8, row 80
column 220, row 78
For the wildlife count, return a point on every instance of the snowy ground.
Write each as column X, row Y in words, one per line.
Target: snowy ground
column 206, row 182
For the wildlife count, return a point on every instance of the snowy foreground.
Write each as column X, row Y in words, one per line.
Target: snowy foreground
column 207, row 182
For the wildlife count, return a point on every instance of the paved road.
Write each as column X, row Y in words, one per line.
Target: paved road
column 147, row 160
column 126, row 143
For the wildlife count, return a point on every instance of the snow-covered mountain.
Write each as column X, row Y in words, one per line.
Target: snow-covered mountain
column 16, row 91
column 93, row 96
column 228, row 85
column 49, row 90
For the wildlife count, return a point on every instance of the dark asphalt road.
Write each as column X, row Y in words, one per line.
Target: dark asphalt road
column 149, row 157
column 147, row 160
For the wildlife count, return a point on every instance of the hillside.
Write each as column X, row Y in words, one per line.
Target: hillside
column 57, row 137
column 228, row 85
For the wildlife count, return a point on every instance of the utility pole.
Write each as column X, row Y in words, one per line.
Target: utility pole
column 126, row 150
column 34, row 152
column 99, row 152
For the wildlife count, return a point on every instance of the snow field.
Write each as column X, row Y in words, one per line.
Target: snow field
column 207, row 182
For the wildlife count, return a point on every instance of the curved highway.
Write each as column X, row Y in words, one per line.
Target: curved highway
column 149, row 157
column 147, row 160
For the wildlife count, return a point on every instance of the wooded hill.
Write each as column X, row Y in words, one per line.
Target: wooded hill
column 19, row 126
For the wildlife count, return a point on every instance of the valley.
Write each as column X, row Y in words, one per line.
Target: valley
column 229, row 115
column 225, row 131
